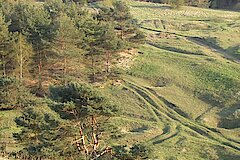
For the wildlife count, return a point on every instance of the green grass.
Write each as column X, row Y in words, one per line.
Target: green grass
column 197, row 74
column 217, row 26
column 202, row 135
column 7, row 128
column 174, row 95
column 195, row 77
column 134, row 107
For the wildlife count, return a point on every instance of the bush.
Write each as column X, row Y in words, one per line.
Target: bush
column 140, row 151
column 41, row 131
column 13, row 94
column 82, row 98
column 137, row 151
column 176, row 4
column 231, row 121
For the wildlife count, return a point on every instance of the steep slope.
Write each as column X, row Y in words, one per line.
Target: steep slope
column 188, row 80
column 182, row 88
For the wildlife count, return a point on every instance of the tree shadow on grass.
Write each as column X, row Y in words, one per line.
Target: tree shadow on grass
column 156, row 7
column 173, row 49
column 230, row 117
column 235, row 51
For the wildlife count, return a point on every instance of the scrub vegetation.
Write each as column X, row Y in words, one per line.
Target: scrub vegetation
column 119, row 80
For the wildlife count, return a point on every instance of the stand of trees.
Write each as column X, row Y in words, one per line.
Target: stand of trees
column 35, row 37
column 71, row 124
column 51, row 40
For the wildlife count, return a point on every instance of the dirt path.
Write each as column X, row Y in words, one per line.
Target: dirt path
column 201, row 42
column 172, row 49
column 162, row 108
column 213, row 48
column 169, row 131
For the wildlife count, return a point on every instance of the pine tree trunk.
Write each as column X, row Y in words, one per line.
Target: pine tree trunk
column 40, row 71
column 21, row 57
column 4, row 66
column 94, row 136
column 93, row 70
column 107, row 62
column 65, row 70
column 83, row 141
column 21, row 65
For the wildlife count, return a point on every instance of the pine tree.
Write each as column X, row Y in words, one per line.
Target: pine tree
column 13, row 94
column 34, row 24
column 66, row 39
column 87, row 109
column 122, row 16
column 111, row 43
column 119, row 16
column 42, row 133
column 40, row 34
column 55, row 8
column 4, row 43
column 93, row 31
column 19, row 17
column 24, row 52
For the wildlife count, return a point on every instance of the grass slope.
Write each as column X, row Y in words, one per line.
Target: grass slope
column 183, row 85
column 190, row 66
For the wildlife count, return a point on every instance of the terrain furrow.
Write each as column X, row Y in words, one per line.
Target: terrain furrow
column 156, row 117
column 170, row 130
column 157, row 103
column 169, row 104
column 212, row 47
column 200, row 42
column 173, row 49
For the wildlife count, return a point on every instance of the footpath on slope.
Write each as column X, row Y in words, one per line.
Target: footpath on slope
column 199, row 41
column 209, row 133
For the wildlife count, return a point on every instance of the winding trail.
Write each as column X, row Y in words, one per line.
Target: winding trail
column 173, row 49
column 213, row 48
column 198, row 41
column 166, row 112
column 170, row 130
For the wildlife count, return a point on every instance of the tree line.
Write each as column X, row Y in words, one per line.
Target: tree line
column 71, row 120
column 34, row 36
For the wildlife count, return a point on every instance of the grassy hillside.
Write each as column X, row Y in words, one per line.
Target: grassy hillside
column 180, row 94
column 188, row 78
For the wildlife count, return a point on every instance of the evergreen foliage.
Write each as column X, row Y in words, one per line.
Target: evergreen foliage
column 24, row 54
column 43, row 133
column 66, row 40
column 78, row 101
column 35, row 37
column 137, row 151
column 176, row 4
column 5, row 44
column 60, row 31
column 13, row 94
column 86, row 109
column 46, row 133
column 55, row 41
